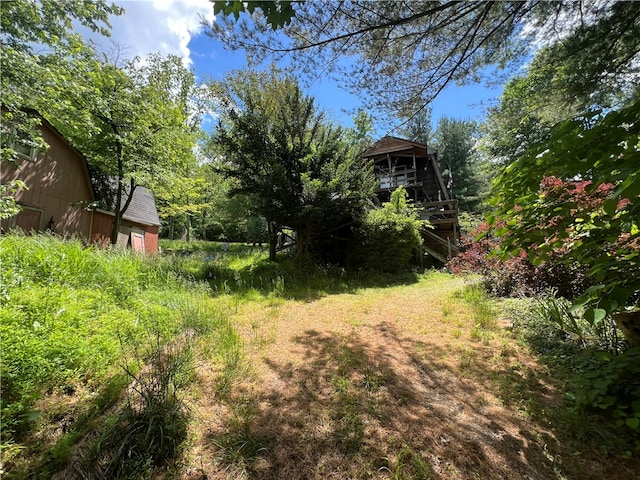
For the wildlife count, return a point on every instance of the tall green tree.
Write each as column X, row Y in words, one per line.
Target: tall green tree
column 297, row 170
column 360, row 136
column 418, row 127
column 515, row 124
column 37, row 42
column 530, row 105
column 132, row 122
column 460, row 163
column 182, row 199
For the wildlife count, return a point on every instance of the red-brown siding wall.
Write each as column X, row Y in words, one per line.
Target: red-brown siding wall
column 57, row 182
column 101, row 228
column 151, row 239
column 103, row 223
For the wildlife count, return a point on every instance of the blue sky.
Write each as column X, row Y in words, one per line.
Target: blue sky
column 173, row 26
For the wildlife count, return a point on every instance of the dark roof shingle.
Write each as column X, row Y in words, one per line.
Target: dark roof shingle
column 142, row 208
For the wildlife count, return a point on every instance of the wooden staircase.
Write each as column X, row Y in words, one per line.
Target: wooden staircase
column 441, row 248
column 441, row 241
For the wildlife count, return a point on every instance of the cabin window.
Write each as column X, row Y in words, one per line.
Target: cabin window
column 21, row 143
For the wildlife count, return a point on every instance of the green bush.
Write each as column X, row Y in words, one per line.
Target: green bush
column 603, row 388
column 602, row 334
column 389, row 239
column 610, row 385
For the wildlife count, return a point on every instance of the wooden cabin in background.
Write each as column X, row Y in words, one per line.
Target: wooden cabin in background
column 60, row 190
column 414, row 165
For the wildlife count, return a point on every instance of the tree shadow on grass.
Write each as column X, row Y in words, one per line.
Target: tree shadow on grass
column 289, row 282
column 395, row 408
column 67, row 427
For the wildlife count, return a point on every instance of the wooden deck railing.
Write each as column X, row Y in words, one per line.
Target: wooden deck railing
column 443, row 212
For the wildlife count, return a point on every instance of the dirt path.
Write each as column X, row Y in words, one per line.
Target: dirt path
column 389, row 383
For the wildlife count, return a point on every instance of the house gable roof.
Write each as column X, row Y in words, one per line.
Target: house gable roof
column 390, row 144
column 142, row 208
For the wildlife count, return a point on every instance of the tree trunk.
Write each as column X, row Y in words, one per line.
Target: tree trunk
column 118, row 216
column 273, row 239
column 629, row 323
column 120, row 209
column 203, row 222
column 171, row 222
column 303, row 242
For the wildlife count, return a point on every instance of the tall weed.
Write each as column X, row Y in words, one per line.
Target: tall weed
column 484, row 313
column 152, row 426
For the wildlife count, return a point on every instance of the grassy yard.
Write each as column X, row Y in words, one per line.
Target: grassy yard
column 424, row 380
column 243, row 368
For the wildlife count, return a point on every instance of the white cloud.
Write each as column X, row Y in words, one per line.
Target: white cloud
column 565, row 22
column 150, row 26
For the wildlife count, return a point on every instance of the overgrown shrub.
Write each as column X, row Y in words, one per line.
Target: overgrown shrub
column 389, row 239
column 590, row 332
column 152, row 426
column 610, row 384
column 517, row 275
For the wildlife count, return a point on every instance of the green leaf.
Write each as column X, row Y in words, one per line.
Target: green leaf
column 610, row 206
column 630, row 187
column 620, row 295
column 594, row 289
column 595, row 315
column 633, row 422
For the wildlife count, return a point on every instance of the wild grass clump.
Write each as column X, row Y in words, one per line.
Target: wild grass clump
column 63, row 309
column 602, row 334
column 151, row 427
column 484, row 313
column 238, row 446
column 408, row 464
column 46, row 260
